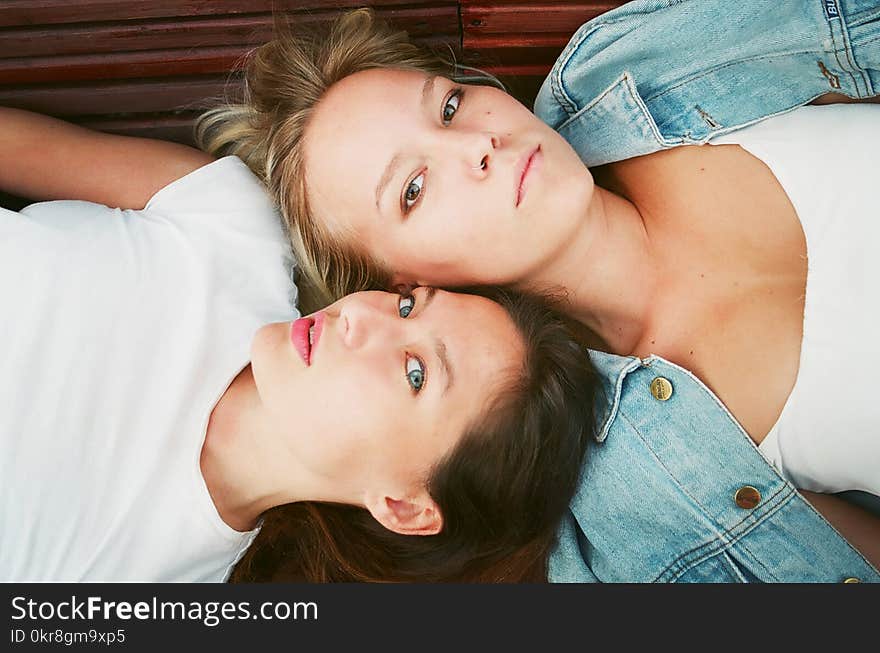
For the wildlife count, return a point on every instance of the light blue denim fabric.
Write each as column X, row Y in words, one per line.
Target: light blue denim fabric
column 653, row 74
column 656, row 497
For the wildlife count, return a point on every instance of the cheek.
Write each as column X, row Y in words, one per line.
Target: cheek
column 455, row 243
column 375, row 439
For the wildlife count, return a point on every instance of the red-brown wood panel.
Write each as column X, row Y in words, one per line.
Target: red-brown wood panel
column 146, row 67
column 181, row 32
column 125, row 65
column 479, row 18
column 119, row 97
column 44, row 12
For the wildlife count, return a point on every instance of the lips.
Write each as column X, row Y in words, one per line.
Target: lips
column 305, row 334
column 527, row 164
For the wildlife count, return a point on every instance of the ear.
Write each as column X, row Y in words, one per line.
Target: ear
column 418, row 515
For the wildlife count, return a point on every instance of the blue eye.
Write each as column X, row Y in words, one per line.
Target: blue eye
column 451, row 105
column 405, row 305
column 413, row 191
column 415, row 373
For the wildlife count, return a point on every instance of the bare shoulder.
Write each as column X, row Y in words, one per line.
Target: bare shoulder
column 692, row 182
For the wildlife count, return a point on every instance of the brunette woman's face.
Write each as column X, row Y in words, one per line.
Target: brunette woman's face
column 385, row 389
column 444, row 184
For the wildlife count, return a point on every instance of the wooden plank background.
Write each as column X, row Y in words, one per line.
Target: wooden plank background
column 148, row 67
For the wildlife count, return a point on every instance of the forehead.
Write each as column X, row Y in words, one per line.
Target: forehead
column 483, row 342
column 485, row 349
column 363, row 94
column 369, row 109
column 358, row 126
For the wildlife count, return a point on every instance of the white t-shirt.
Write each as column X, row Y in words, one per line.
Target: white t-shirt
column 120, row 331
column 826, row 158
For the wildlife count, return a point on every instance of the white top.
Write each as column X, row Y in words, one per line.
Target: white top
column 120, row 331
column 827, row 158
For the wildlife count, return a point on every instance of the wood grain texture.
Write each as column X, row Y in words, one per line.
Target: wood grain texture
column 481, row 18
column 188, row 32
column 148, row 67
column 149, row 63
column 45, row 12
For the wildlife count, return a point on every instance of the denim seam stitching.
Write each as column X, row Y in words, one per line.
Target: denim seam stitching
column 722, row 67
column 729, row 536
column 719, row 542
column 845, row 48
column 666, row 469
column 855, row 550
column 557, row 84
column 763, row 460
column 615, row 405
column 861, row 43
column 703, row 389
column 843, row 28
column 627, row 79
column 740, row 538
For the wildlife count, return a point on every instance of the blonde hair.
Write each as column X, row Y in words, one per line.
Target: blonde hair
column 285, row 80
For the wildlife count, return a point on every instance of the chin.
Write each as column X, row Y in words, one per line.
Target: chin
column 262, row 339
column 269, row 345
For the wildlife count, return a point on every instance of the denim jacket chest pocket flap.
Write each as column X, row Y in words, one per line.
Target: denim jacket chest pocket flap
column 616, row 121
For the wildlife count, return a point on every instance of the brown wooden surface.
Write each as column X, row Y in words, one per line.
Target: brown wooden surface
column 147, row 67
column 45, row 12
column 520, row 40
column 183, row 32
column 528, row 17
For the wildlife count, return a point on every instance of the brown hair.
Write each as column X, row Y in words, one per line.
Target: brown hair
column 501, row 491
column 285, row 80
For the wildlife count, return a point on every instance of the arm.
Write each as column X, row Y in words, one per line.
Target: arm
column 43, row 158
column 837, row 98
column 859, row 526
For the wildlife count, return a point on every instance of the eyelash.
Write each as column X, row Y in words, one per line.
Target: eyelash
column 456, row 93
column 410, row 357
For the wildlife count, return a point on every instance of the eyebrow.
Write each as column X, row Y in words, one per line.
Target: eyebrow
column 440, row 346
column 428, row 91
column 387, row 176
column 391, row 168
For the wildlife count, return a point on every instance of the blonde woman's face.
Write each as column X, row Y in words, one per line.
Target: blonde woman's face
column 444, row 184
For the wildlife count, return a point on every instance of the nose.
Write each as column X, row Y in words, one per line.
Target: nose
column 479, row 151
column 366, row 319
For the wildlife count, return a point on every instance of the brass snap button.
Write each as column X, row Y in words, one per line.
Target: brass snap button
column 747, row 497
column 661, row 388
column 852, row 580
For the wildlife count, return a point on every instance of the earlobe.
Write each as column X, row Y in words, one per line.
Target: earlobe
column 411, row 516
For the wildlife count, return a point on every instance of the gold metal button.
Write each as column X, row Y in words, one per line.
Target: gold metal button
column 852, row 580
column 747, row 497
column 661, row 388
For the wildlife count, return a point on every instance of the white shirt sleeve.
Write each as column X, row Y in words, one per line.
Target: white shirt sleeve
column 225, row 192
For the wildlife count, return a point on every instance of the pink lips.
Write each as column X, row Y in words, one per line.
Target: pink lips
column 527, row 164
column 299, row 335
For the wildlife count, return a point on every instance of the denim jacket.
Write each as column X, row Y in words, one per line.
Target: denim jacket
column 674, row 490
column 653, row 74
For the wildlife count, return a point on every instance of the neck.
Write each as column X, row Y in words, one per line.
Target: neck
column 606, row 272
column 233, row 458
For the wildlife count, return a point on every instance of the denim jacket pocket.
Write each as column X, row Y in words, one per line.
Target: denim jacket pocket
column 615, row 125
